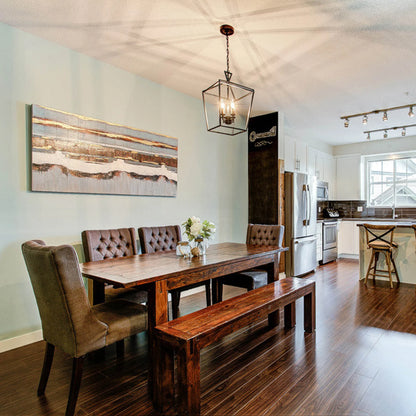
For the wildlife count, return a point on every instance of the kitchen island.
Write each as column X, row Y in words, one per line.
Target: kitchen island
column 404, row 255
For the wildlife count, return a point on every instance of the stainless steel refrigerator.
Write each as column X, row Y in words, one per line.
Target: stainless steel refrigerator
column 300, row 222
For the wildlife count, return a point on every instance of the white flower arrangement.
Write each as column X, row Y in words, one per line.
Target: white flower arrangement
column 194, row 228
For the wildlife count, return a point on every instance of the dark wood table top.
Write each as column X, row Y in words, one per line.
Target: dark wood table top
column 147, row 268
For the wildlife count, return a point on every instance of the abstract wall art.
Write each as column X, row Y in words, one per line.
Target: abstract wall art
column 73, row 153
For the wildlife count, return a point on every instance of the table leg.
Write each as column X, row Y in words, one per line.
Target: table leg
column 95, row 292
column 309, row 312
column 272, row 269
column 272, row 276
column 157, row 313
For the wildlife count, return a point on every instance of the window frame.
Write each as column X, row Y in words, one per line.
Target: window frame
column 384, row 158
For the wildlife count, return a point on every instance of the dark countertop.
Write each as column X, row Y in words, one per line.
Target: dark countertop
column 372, row 219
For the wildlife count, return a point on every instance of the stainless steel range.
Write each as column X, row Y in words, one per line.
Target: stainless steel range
column 329, row 240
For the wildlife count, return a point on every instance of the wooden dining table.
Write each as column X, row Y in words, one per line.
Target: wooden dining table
column 163, row 271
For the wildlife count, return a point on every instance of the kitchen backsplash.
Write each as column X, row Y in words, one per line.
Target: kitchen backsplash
column 359, row 209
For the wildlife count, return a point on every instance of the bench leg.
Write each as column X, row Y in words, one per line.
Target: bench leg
column 163, row 392
column 274, row 318
column 189, row 389
column 309, row 312
column 290, row 315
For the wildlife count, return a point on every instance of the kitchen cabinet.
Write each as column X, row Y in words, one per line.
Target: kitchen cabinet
column 349, row 239
column 311, row 159
column 319, row 242
column 295, row 155
column 348, row 177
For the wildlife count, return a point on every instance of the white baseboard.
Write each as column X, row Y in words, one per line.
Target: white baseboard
column 20, row 341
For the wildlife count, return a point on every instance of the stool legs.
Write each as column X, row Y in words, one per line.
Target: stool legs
column 391, row 266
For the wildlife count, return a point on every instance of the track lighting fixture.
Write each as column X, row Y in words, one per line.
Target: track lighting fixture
column 383, row 110
column 385, row 135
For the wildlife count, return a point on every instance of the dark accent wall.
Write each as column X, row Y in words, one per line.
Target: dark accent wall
column 263, row 171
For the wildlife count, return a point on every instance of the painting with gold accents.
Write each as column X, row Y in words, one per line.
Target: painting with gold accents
column 73, row 153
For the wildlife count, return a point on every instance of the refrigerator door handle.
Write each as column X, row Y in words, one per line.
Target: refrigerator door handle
column 305, row 204
column 309, row 205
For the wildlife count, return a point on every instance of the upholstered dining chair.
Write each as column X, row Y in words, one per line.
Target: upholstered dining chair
column 108, row 244
column 259, row 235
column 166, row 238
column 68, row 320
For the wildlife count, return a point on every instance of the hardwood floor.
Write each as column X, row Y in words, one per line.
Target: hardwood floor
column 361, row 361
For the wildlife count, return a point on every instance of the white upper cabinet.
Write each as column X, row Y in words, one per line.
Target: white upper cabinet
column 348, row 177
column 290, row 155
column 299, row 157
column 311, row 159
column 295, row 155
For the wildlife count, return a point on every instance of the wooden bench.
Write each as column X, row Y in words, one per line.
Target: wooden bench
column 186, row 336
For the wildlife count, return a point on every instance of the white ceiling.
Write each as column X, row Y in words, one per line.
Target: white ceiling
column 313, row 60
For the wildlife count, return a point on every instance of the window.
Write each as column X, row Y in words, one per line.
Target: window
column 391, row 181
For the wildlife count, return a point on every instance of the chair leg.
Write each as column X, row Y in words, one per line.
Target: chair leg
column 395, row 269
column 77, row 364
column 176, row 297
column 208, row 292
column 388, row 263
column 369, row 267
column 47, row 364
column 377, row 254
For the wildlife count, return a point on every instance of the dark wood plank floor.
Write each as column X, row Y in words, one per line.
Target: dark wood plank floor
column 361, row 361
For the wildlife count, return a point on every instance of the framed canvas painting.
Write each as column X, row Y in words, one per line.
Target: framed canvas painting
column 77, row 154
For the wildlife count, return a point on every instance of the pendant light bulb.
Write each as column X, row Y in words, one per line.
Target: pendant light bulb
column 411, row 113
column 368, row 136
column 385, row 134
column 385, row 118
column 365, row 119
column 346, row 123
column 404, row 131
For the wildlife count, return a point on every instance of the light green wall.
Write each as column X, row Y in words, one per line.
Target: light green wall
column 212, row 177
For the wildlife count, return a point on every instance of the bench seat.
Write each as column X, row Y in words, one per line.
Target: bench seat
column 187, row 335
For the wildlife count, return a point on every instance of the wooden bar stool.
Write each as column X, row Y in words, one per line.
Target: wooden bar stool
column 380, row 240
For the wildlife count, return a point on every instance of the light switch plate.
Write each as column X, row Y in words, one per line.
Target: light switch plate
column 360, row 209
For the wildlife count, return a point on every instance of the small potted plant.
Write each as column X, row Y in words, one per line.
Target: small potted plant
column 199, row 233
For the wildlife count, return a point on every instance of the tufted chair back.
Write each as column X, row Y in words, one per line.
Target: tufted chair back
column 163, row 238
column 108, row 244
column 265, row 235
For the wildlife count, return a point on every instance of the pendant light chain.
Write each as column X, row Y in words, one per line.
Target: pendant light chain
column 228, row 55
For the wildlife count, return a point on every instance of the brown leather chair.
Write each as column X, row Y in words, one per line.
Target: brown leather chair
column 107, row 244
column 260, row 235
column 379, row 239
column 166, row 238
column 68, row 320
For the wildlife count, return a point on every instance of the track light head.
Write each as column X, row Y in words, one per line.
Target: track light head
column 411, row 113
column 365, row 119
column 346, row 123
column 385, row 118
column 385, row 134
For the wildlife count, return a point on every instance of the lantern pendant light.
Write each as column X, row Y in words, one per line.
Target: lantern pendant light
column 227, row 105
